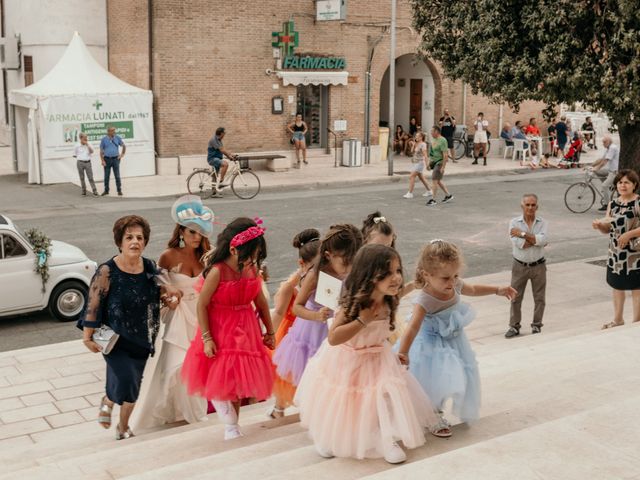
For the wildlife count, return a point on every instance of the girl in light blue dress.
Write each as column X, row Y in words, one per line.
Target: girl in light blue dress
column 434, row 345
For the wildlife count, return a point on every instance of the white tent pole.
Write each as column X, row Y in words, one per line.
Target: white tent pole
column 14, row 136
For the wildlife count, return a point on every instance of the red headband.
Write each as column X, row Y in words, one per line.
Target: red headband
column 248, row 234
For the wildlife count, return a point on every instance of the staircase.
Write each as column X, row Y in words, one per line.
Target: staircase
column 562, row 404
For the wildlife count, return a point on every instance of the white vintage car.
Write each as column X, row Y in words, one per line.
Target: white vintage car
column 70, row 273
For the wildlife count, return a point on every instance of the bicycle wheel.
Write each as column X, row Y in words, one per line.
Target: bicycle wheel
column 579, row 197
column 200, row 183
column 245, row 184
column 459, row 148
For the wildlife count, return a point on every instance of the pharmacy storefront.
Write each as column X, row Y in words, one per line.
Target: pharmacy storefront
column 313, row 76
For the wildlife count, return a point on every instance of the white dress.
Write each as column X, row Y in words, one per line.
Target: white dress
column 163, row 397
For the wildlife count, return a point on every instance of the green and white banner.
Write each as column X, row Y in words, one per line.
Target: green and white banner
column 64, row 118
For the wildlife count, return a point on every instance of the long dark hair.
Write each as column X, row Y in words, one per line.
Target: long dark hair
column 369, row 226
column 307, row 242
column 344, row 239
column 174, row 241
column 245, row 251
column 372, row 264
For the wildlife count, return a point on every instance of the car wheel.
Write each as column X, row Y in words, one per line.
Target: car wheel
column 68, row 300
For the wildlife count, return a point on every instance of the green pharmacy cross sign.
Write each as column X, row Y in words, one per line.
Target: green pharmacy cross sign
column 287, row 39
column 97, row 104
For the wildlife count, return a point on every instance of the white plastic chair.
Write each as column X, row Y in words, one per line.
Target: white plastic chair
column 508, row 149
column 518, row 148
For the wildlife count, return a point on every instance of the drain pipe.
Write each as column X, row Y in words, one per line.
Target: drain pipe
column 367, row 98
column 464, row 103
column 151, row 84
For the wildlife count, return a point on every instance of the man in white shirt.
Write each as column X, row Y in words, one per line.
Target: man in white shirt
column 606, row 169
column 82, row 152
column 528, row 235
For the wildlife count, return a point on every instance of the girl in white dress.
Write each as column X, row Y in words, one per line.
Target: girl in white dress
column 163, row 397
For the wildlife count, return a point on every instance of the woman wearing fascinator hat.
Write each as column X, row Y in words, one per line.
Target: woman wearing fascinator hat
column 164, row 397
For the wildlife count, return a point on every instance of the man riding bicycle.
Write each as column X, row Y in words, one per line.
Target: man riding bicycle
column 216, row 154
column 606, row 169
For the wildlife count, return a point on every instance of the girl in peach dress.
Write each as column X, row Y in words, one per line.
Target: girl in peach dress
column 355, row 397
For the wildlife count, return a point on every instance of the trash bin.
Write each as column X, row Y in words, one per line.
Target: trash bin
column 351, row 153
column 383, row 139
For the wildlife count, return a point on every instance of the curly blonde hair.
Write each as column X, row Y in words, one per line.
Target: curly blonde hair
column 433, row 256
column 372, row 264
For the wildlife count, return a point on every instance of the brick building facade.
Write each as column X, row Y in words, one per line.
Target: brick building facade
column 206, row 63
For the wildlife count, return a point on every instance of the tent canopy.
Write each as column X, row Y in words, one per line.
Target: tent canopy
column 76, row 73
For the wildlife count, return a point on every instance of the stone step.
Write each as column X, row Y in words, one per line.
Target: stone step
column 254, row 460
column 138, row 455
column 87, row 438
column 571, row 377
column 599, row 443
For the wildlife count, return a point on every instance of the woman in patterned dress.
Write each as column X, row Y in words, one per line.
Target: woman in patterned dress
column 622, row 223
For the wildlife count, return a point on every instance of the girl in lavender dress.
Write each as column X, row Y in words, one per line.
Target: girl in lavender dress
column 337, row 250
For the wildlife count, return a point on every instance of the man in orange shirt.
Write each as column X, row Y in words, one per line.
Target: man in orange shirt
column 532, row 129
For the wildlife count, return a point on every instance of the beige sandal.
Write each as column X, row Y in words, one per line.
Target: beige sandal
column 611, row 325
column 104, row 413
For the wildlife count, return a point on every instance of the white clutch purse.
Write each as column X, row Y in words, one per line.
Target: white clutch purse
column 106, row 338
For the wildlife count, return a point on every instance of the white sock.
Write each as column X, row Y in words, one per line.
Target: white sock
column 225, row 411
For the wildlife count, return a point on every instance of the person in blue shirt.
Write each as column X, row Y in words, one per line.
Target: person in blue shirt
column 506, row 135
column 562, row 137
column 111, row 156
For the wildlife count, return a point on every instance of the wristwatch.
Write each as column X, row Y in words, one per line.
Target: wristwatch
column 523, row 234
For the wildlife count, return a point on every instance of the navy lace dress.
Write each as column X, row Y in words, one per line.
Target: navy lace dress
column 130, row 305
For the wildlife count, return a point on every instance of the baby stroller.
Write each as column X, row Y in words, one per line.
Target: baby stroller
column 572, row 158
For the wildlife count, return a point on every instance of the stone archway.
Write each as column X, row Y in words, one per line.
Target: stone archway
column 379, row 68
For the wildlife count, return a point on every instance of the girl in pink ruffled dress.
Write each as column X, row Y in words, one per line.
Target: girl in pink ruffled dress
column 355, row 397
column 227, row 360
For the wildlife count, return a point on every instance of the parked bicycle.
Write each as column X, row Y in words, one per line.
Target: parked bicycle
column 462, row 145
column 205, row 182
column 580, row 196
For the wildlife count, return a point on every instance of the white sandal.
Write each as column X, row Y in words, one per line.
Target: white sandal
column 442, row 429
column 123, row 435
column 275, row 413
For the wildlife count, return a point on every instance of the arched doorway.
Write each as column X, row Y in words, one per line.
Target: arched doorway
column 414, row 93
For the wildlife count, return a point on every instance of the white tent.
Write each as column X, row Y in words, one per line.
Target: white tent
column 79, row 95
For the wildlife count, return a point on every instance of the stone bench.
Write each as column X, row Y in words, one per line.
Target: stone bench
column 275, row 161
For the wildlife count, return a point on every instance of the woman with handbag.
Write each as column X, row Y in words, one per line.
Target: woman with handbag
column 124, row 299
column 622, row 224
column 164, row 398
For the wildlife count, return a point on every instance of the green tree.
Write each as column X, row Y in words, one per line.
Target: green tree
column 554, row 51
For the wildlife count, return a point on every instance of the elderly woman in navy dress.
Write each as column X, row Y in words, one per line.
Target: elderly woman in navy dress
column 125, row 295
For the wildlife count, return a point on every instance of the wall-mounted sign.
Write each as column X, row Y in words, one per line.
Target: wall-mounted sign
column 295, row 62
column 277, row 105
column 331, row 10
column 339, row 125
column 287, row 40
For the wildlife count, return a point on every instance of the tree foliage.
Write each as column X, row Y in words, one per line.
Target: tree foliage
column 554, row 51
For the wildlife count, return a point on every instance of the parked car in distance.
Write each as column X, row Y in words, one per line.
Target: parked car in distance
column 70, row 273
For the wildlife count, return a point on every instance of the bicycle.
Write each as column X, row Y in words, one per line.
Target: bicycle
column 580, row 196
column 205, row 182
column 462, row 146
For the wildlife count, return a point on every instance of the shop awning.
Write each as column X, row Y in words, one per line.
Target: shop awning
column 313, row 78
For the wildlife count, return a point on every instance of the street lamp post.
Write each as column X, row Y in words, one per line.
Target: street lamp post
column 392, row 88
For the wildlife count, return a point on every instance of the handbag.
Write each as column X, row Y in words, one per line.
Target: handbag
column 106, row 338
column 634, row 244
